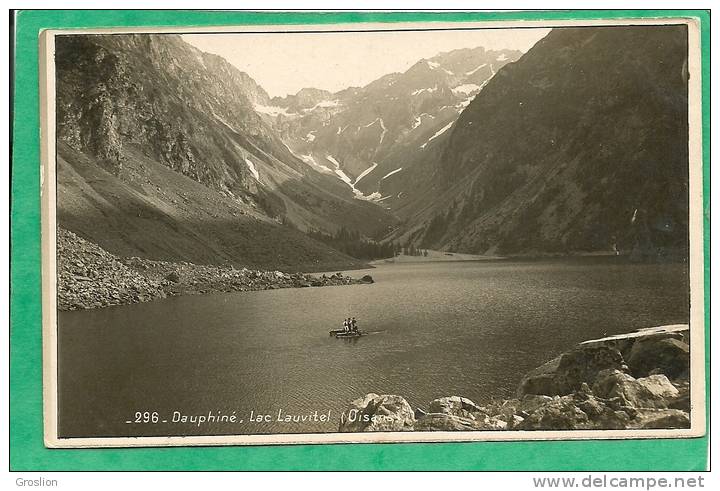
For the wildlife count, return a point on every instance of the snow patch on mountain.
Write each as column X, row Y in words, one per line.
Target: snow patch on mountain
column 463, row 104
column 476, row 69
column 365, row 173
column 382, row 126
column 344, row 177
column 418, row 120
column 420, row 91
column 272, row 110
column 482, row 85
column 391, row 173
column 253, row 169
column 310, row 137
column 371, row 123
column 357, row 194
column 334, row 162
column 384, row 131
column 502, row 57
column 309, row 159
column 434, row 66
column 466, row 89
column 222, row 120
column 375, row 196
column 440, row 132
column 339, row 172
column 324, row 104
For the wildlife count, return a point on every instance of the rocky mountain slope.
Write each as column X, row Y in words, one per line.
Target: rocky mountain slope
column 161, row 154
column 90, row 277
column 362, row 135
column 581, row 145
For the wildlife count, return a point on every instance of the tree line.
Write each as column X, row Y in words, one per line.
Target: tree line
column 353, row 244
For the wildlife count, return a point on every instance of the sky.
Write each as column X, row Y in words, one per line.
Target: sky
column 283, row 63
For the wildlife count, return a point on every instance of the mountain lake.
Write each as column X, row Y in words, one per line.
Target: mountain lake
column 436, row 329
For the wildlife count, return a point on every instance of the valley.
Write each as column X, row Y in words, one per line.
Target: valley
column 577, row 146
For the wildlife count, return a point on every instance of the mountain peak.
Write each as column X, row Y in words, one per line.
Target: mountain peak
column 372, row 131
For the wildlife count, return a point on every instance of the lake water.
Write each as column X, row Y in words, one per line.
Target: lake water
column 463, row 328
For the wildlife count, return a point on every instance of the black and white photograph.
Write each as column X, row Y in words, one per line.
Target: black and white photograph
column 370, row 233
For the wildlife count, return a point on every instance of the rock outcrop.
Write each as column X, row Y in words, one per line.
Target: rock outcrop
column 459, row 414
column 668, row 355
column 566, row 373
column 634, row 392
column 590, row 387
column 659, row 350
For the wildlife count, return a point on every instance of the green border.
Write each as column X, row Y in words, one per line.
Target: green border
column 27, row 451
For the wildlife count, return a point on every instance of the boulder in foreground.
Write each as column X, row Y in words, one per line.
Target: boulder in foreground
column 656, row 350
column 458, row 414
column 378, row 413
column 590, row 387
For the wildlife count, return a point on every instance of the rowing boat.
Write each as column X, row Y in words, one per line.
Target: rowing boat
column 342, row 333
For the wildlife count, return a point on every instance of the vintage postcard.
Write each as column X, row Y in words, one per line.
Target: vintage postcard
column 396, row 232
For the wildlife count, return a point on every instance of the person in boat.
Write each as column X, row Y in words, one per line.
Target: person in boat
column 346, row 325
column 353, row 325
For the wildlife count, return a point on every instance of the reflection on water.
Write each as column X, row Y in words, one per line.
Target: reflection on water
column 437, row 329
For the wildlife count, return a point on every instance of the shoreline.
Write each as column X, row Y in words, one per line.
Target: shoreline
column 440, row 257
column 90, row 277
column 435, row 257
